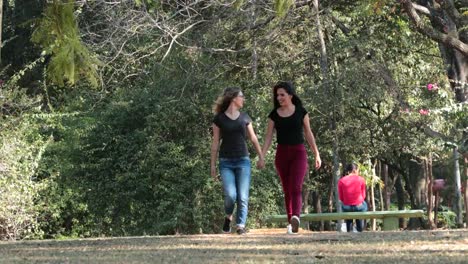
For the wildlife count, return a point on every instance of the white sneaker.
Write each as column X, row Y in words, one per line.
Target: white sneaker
column 295, row 222
column 289, row 230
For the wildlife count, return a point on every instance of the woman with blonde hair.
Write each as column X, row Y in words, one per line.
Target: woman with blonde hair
column 231, row 127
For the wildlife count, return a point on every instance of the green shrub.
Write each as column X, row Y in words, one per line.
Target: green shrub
column 446, row 218
column 21, row 151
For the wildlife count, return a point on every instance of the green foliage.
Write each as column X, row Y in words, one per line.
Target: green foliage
column 446, row 218
column 58, row 35
column 150, row 5
column 238, row 3
column 21, row 151
column 367, row 170
column 388, row 90
column 371, row 7
column 138, row 163
column 282, row 7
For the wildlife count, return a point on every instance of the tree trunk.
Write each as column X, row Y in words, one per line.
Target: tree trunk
column 409, row 188
column 400, row 199
column 465, row 189
column 436, row 208
column 380, row 190
column 456, row 63
column 381, row 199
column 455, row 60
column 429, row 182
column 458, row 198
column 336, row 177
column 330, row 200
column 417, row 181
column 372, row 196
column 1, row 29
column 324, row 70
column 316, row 198
column 446, row 28
column 254, row 40
column 386, row 190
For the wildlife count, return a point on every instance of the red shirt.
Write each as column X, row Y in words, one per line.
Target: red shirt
column 352, row 189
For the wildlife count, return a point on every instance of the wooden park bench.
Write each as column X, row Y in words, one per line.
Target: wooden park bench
column 390, row 218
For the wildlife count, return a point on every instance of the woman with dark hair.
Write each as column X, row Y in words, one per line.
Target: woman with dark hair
column 352, row 194
column 231, row 127
column 291, row 122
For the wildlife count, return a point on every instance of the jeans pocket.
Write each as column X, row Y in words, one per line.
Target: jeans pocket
column 362, row 206
column 347, row 208
column 223, row 163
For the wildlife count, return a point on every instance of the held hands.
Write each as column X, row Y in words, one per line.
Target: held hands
column 261, row 163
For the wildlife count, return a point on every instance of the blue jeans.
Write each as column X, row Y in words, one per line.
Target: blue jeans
column 235, row 174
column 355, row 208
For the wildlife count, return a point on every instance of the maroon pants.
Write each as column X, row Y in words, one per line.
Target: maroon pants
column 291, row 165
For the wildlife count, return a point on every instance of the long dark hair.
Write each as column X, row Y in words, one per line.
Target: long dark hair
column 224, row 100
column 350, row 168
column 289, row 88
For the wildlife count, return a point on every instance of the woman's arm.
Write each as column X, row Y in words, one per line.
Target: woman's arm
column 311, row 140
column 214, row 150
column 254, row 139
column 268, row 139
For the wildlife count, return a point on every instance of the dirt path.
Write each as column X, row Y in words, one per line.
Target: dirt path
column 258, row 246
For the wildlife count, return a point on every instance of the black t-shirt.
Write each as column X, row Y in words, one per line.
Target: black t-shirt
column 233, row 134
column 289, row 130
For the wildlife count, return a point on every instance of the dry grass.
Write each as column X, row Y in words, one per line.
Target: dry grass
column 258, row 246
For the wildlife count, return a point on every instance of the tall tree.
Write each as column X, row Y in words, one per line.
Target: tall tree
column 449, row 28
column 324, row 67
column 1, row 29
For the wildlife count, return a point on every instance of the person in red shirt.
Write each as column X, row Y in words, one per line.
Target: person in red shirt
column 352, row 194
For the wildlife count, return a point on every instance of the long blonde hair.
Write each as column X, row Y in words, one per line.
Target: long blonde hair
column 224, row 100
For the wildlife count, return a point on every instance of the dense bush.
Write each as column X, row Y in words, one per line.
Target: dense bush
column 21, row 150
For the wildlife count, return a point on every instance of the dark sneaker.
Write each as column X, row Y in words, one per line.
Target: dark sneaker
column 295, row 224
column 227, row 225
column 241, row 231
